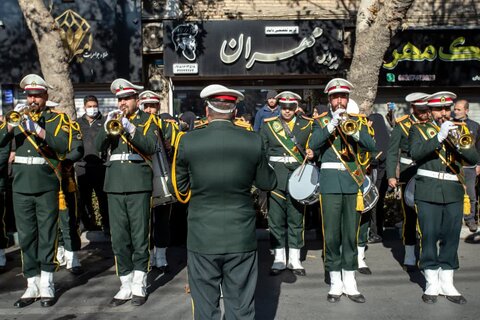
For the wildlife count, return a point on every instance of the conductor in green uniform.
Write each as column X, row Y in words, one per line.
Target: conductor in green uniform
column 215, row 167
column 398, row 153
column 338, row 144
column 440, row 195
column 286, row 140
column 129, row 135
column 41, row 138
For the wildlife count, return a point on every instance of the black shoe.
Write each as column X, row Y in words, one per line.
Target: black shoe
column 299, row 272
column 116, row 302
column 47, row 302
column 333, row 298
column 472, row 226
column 276, row 272
column 23, row 302
column 358, row 298
column 409, row 268
column 76, row 270
column 374, row 239
column 365, row 270
column 457, row 299
column 138, row 301
column 429, row 298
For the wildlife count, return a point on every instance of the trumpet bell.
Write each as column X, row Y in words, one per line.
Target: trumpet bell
column 465, row 141
column 349, row 127
column 114, row 127
column 13, row 118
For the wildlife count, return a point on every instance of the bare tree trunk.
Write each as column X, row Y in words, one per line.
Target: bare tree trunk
column 375, row 28
column 52, row 55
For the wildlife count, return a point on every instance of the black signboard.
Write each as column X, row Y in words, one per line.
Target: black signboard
column 433, row 58
column 252, row 48
column 103, row 40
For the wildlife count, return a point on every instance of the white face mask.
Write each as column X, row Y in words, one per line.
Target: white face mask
column 91, row 112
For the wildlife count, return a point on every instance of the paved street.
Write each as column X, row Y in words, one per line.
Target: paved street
column 391, row 293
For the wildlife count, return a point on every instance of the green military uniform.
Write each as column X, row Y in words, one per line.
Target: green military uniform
column 128, row 183
column 160, row 226
column 285, row 157
column 68, row 220
column 438, row 200
column 398, row 151
column 35, row 189
column 219, row 163
column 339, row 190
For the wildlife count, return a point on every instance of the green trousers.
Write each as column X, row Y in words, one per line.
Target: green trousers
column 237, row 274
column 285, row 213
column 129, row 215
column 69, row 236
column 340, row 227
column 3, row 230
column 36, row 221
column 440, row 224
column 365, row 221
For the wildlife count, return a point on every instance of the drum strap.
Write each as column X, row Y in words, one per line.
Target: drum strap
column 292, row 138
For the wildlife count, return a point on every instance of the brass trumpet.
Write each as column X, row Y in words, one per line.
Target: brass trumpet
column 460, row 137
column 14, row 118
column 115, row 126
column 348, row 125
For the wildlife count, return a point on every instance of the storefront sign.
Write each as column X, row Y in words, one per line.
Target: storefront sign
column 432, row 58
column 101, row 38
column 254, row 47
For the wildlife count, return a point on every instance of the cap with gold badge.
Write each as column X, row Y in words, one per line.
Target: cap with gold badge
column 34, row 84
column 418, row 99
column 338, row 85
column 149, row 97
column 124, row 88
column 288, row 99
column 217, row 94
column 441, row 99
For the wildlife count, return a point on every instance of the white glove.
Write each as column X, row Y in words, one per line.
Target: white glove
column 128, row 127
column 31, row 126
column 110, row 116
column 444, row 130
column 336, row 117
column 20, row 107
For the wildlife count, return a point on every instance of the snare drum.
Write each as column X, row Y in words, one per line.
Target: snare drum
column 370, row 194
column 304, row 184
column 409, row 193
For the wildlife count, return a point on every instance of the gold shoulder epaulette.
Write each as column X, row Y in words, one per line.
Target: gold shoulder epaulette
column 170, row 120
column 398, row 120
column 270, row 119
column 241, row 123
column 306, row 118
column 322, row 115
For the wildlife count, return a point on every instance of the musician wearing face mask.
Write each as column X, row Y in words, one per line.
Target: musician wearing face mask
column 339, row 139
column 398, row 154
column 286, row 141
column 440, row 194
column 90, row 170
column 129, row 137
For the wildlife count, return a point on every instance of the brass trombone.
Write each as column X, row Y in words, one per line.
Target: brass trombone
column 115, row 126
column 348, row 125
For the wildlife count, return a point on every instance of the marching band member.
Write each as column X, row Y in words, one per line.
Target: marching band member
column 130, row 136
column 41, row 139
column 398, row 154
column 440, row 196
column 341, row 177
column 286, row 141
